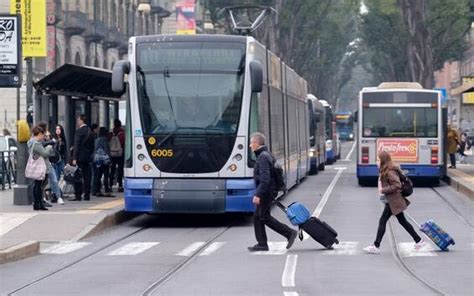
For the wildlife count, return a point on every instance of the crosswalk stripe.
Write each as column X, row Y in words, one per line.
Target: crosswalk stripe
column 288, row 277
column 133, row 248
column 343, row 248
column 275, row 248
column 188, row 251
column 292, row 293
column 212, row 248
column 407, row 250
column 64, row 248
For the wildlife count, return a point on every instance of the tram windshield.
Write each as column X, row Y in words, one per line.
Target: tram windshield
column 192, row 88
column 400, row 122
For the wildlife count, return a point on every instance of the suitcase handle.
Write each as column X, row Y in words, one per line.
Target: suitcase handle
column 280, row 205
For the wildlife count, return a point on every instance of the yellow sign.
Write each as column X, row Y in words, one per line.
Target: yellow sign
column 467, row 79
column 468, row 98
column 33, row 21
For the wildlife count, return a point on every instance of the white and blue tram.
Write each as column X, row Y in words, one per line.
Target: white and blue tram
column 406, row 120
column 192, row 103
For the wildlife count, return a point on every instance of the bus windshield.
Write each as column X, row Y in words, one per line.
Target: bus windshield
column 400, row 122
column 190, row 87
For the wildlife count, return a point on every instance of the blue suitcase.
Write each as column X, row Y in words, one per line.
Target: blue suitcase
column 296, row 212
column 437, row 235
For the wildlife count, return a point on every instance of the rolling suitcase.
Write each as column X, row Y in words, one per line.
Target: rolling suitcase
column 320, row 231
column 437, row 235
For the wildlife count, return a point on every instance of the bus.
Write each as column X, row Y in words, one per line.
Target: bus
column 317, row 134
column 345, row 125
column 406, row 120
column 193, row 102
column 332, row 140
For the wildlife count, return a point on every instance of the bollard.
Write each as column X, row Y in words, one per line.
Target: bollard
column 21, row 193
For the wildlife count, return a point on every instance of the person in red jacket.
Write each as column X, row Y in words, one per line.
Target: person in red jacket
column 117, row 144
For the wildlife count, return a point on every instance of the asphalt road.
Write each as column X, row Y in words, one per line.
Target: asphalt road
column 207, row 255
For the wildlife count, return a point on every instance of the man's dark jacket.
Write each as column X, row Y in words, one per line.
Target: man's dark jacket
column 83, row 144
column 263, row 174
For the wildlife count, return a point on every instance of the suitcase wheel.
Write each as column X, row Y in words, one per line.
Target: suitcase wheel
column 336, row 241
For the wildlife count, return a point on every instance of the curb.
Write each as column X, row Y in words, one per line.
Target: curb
column 20, row 251
column 460, row 186
column 32, row 248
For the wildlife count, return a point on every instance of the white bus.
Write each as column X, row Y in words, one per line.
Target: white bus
column 192, row 103
column 406, row 120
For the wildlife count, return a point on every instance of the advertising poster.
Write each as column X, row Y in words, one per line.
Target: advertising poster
column 10, row 51
column 401, row 150
column 185, row 18
column 33, row 15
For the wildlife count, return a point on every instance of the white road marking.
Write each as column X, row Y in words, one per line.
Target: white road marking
column 9, row 221
column 348, row 157
column 407, row 250
column 292, row 293
column 288, row 277
column 275, row 248
column 343, row 248
column 188, row 251
column 133, row 248
column 64, row 248
column 212, row 248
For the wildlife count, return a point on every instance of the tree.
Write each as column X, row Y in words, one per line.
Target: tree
column 407, row 40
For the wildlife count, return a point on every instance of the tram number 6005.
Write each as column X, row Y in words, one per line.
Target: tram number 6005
column 162, row 153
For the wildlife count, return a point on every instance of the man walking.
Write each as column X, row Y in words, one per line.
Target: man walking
column 83, row 148
column 263, row 175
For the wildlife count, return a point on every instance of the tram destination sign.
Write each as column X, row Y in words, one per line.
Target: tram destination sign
column 10, row 51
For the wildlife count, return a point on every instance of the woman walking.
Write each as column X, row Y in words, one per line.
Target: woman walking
column 37, row 150
column 453, row 142
column 390, row 186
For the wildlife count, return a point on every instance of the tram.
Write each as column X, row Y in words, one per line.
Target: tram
column 193, row 101
column 406, row 120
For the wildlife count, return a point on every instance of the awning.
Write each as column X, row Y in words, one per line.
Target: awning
column 463, row 88
column 78, row 81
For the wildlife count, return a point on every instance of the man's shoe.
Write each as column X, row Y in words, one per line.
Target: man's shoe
column 87, row 197
column 292, row 239
column 120, row 189
column 257, row 248
column 76, row 199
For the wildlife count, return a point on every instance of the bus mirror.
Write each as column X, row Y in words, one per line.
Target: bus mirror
column 256, row 76
column 120, row 69
column 356, row 116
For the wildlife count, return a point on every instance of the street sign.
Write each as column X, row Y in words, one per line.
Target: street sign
column 10, row 51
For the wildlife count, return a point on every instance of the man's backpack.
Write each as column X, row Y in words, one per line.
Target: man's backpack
column 116, row 149
column 278, row 175
column 407, row 184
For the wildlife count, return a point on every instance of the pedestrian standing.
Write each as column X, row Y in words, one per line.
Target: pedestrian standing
column 265, row 192
column 390, row 186
column 117, row 144
column 102, row 162
column 453, row 142
column 36, row 149
column 82, row 157
column 464, row 144
column 61, row 147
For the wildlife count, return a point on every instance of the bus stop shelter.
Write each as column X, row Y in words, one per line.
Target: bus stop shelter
column 85, row 90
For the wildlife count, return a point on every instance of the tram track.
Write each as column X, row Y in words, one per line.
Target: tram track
column 403, row 265
column 77, row 261
column 456, row 211
column 150, row 290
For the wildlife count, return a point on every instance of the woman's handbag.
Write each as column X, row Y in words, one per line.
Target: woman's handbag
column 36, row 167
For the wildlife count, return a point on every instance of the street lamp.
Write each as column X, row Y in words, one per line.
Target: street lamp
column 144, row 6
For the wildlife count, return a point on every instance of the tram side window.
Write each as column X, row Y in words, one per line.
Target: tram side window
column 277, row 123
column 400, row 122
column 259, row 120
column 293, row 129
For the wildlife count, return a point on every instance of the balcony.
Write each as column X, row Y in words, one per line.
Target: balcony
column 74, row 22
column 96, row 31
column 113, row 39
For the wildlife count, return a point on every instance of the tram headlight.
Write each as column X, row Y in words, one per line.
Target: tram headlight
column 232, row 167
column 139, row 146
column 146, row 167
column 141, row 157
column 351, row 136
column 312, row 153
column 238, row 157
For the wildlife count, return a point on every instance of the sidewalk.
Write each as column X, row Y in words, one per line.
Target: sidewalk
column 462, row 179
column 22, row 229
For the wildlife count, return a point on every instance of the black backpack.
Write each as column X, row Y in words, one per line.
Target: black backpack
column 407, row 184
column 278, row 175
